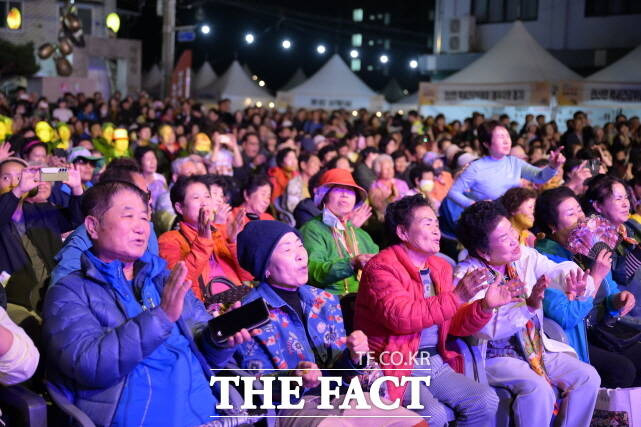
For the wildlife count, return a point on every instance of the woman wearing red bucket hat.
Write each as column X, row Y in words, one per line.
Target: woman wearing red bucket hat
column 337, row 249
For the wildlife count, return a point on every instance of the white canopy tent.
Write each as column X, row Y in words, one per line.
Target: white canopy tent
column 516, row 58
column 203, row 78
column 152, row 80
column 333, row 86
column 247, row 70
column 392, row 91
column 616, row 89
column 410, row 102
column 236, row 85
column 296, row 79
column 625, row 70
column 515, row 76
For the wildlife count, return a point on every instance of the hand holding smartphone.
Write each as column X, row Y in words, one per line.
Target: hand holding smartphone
column 54, row 174
column 249, row 316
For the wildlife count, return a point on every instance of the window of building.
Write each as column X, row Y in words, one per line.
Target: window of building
column 357, row 15
column 357, row 40
column 356, row 64
column 495, row 11
column 5, row 7
column 612, row 7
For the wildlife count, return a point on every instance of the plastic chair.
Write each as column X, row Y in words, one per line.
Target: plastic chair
column 30, row 407
column 554, row 331
column 474, row 367
column 283, row 214
column 63, row 402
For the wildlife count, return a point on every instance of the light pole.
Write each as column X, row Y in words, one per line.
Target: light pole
column 168, row 44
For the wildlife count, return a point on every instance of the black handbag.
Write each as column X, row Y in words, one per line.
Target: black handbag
column 613, row 336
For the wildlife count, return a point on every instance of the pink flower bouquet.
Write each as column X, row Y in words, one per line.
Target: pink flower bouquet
column 591, row 235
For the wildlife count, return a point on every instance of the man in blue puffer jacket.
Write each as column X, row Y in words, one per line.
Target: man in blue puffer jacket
column 126, row 338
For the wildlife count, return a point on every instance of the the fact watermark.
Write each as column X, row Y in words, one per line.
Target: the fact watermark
column 330, row 388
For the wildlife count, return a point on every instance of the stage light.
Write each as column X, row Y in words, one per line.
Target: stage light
column 113, row 22
column 14, row 19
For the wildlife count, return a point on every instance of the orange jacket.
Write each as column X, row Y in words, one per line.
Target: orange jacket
column 279, row 178
column 186, row 245
column 392, row 311
column 234, row 213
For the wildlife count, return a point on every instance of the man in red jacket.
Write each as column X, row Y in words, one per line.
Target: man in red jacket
column 407, row 305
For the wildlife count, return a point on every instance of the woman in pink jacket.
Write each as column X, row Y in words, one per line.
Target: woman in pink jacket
column 407, row 306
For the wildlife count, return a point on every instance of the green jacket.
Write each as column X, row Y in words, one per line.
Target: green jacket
column 328, row 268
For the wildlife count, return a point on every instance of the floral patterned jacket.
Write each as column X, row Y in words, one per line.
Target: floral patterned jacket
column 284, row 341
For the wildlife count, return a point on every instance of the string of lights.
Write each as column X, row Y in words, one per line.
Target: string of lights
column 324, row 26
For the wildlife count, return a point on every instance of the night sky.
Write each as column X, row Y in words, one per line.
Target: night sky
column 305, row 23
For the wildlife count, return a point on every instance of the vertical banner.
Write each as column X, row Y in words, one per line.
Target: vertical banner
column 181, row 76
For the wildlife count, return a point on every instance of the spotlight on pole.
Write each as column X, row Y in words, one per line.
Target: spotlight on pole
column 286, row 44
column 249, row 38
column 353, row 53
column 413, row 64
column 205, row 29
column 321, row 49
column 384, row 59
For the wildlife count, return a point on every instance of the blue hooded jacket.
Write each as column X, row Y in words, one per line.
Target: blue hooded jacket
column 68, row 258
column 570, row 315
column 98, row 336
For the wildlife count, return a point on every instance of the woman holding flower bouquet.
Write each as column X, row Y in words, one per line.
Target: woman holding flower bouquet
column 608, row 196
column 570, row 236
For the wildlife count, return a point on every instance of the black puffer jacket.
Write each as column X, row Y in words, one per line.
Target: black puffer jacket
column 44, row 223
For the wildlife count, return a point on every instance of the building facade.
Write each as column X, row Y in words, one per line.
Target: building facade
column 585, row 35
column 105, row 64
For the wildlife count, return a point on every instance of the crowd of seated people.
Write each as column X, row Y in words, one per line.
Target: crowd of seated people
column 396, row 235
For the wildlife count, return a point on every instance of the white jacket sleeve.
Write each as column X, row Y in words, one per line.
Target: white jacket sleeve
column 20, row 362
column 556, row 272
column 506, row 320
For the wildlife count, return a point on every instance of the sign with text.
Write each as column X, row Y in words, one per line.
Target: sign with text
column 599, row 93
column 536, row 93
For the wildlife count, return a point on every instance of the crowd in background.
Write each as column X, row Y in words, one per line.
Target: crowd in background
column 399, row 230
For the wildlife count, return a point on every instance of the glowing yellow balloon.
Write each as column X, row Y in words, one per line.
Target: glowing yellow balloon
column 64, row 133
column 14, row 19
column 108, row 132
column 202, row 143
column 121, row 142
column 44, row 131
column 113, row 22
